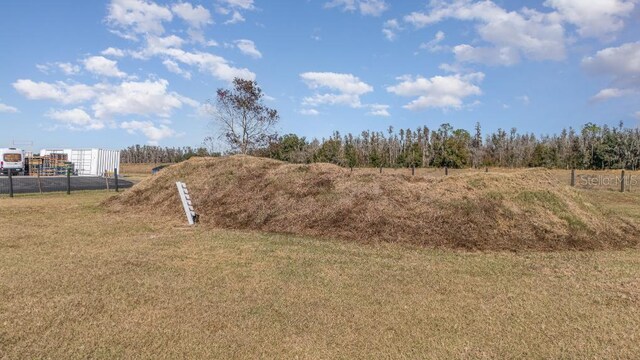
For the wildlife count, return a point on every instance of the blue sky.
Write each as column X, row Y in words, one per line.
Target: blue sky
column 115, row 73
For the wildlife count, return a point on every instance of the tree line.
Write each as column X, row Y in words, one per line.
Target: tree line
column 139, row 154
column 591, row 147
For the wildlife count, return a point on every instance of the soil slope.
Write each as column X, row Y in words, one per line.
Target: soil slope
column 524, row 210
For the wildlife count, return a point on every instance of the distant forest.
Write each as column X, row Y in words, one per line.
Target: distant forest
column 143, row 154
column 592, row 147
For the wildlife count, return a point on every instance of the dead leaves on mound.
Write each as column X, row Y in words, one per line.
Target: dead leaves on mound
column 523, row 210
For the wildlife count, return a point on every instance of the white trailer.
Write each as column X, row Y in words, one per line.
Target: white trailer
column 89, row 162
column 11, row 159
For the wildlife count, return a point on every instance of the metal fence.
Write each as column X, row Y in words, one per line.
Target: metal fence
column 10, row 185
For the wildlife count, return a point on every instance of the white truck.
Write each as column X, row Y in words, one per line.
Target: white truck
column 11, row 159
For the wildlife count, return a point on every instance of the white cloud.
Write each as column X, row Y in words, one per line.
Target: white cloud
column 59, row 91
column 333, row 99
column 372, row 7
column 234, row 7
column 524, row 99
column 510, row 36
column 137, row 98
column 187, row 100
column 4, row 108
column 611, row 93
column 241, row 4
column 365, row 7
column 145, row 19
column 347, row 89
column 43, row 68
column 379, row 110
column 620, row 64
column 310, row 112
column 434, row 44
column 138, row 17
column 248, row 47
column 113, row 52
column 452, row 68
column 157, row 45
column 345, row 83
column 594, row 18
column 108, row 101
column 391, row 29
column 439, row 91
column 487, row 55
column 154, row 133
column 173, row 67
column 527, row 33
column 197, row 16
column 66, row 68
column 125, row 35
column 214, row 65
column 76, row 119
column 100, row 65
column 235, row 18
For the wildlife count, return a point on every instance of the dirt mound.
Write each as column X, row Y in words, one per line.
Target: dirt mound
column 514, row 211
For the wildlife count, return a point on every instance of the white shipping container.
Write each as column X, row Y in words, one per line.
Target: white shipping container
column 89, row 162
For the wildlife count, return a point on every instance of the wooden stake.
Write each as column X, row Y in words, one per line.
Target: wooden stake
column 115, row 175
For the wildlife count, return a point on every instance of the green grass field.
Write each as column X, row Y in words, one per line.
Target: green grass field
column 77, row 281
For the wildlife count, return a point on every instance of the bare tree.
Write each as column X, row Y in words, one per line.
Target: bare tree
column 245, row 123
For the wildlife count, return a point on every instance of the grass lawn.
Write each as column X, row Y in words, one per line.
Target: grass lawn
column 79, row 282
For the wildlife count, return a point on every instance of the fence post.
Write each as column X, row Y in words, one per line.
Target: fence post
column 380, row 169
column 413, row 169
column 106, row 179
column 68, row 181
column 573, row 177
column 10, row 184
column 115, row 176
column 622, row 182
column 446, row 171
column 486, row 169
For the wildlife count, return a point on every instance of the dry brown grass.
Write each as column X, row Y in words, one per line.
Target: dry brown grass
column 137, row 172
column 510, row 210
column 78, row 281
column 139, row 169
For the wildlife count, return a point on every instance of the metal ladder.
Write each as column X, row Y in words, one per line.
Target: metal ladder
column 192, row 217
